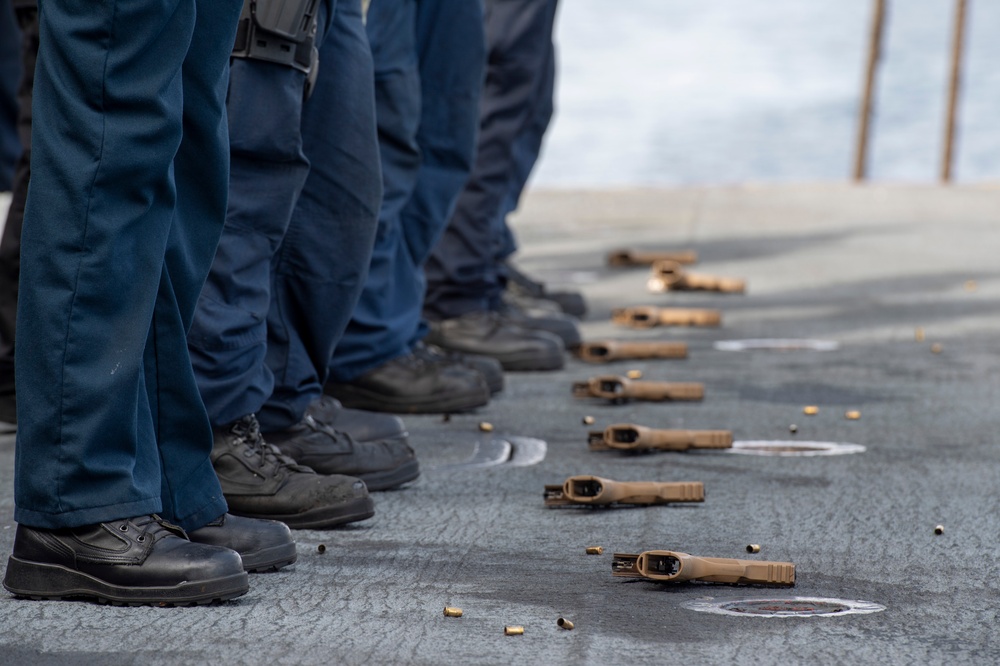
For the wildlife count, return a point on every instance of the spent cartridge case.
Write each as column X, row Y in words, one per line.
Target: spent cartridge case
column 673, row 567
column 620, row 389
column 451, row 611
column 628, row 257
column 648, row 316
column 563, row 623
column 513, row 630
column 611, row 350
column 670, row 276
column 597, row 491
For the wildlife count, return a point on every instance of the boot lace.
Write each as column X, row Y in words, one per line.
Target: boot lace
column 246, row 434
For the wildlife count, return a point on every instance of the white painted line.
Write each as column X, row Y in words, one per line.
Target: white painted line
column 777, row 344
column 793, row 448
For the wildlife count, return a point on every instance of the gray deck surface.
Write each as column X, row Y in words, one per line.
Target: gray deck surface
column 861, row 266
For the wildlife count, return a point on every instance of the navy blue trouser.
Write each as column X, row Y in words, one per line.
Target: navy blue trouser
column 304, row 196
column 10, row 75
column 125, row 207
column 10, row 242
column 465, row 272
column 527, row 148
column 429, row 57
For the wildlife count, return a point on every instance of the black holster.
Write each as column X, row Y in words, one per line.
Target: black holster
column 279, row 31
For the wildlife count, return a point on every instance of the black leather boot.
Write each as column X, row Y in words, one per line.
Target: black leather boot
column 362, row 425
column 263, row 545
column 409, row 384
column 258, row 481
column 489, row 368
column 133, row 561
column 381, row 464
column 489, row 334
column 556, row 323
column 521, row 288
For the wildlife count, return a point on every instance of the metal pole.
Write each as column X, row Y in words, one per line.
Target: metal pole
column 954, row 87
column 867, row 98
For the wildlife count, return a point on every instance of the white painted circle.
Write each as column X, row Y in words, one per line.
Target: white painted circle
column 793, row 448
column 788, row 607
column 777, row 344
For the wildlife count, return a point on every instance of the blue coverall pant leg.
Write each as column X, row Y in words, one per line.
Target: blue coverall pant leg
column 10, row 242
column 10, row 75
column 125, row 207
column 429, row 57
column 304, row 193
column 321, row 266
column 527, row 149
column 462, row 274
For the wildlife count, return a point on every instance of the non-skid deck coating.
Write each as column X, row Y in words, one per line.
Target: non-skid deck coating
column 861, row 266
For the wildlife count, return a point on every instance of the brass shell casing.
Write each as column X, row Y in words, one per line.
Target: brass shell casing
column 450, row 611
column 513, row 630
column 563, row 623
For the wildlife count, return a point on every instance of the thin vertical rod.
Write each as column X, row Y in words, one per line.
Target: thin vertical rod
column 954, row 89
column 868, row 97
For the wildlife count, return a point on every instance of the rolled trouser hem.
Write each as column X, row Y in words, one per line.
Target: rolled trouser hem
column 89, row 516
column 203, row 516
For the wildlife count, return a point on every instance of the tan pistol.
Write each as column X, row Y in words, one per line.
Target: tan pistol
column 596, row 491
column 620, row 389
column 648, row 316
column 666, row 566
column 630, row 437
column 612, row 350
column 670, row 276
column 627, row 257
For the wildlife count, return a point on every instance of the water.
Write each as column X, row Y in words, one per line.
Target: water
column 669, row 92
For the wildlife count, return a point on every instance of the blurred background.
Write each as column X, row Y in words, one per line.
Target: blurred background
column 671, row 92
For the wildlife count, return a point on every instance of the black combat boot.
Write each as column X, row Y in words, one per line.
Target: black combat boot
column 410, row 384
column 263, row 545
column 489, row 334
column 258, row 481
column 381, row 464
column 133, row 561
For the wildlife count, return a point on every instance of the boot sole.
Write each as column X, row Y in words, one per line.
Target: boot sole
column 358, row 398
column 321, row 518
column 270, row 559
column 391, row 478
column 35, row 580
